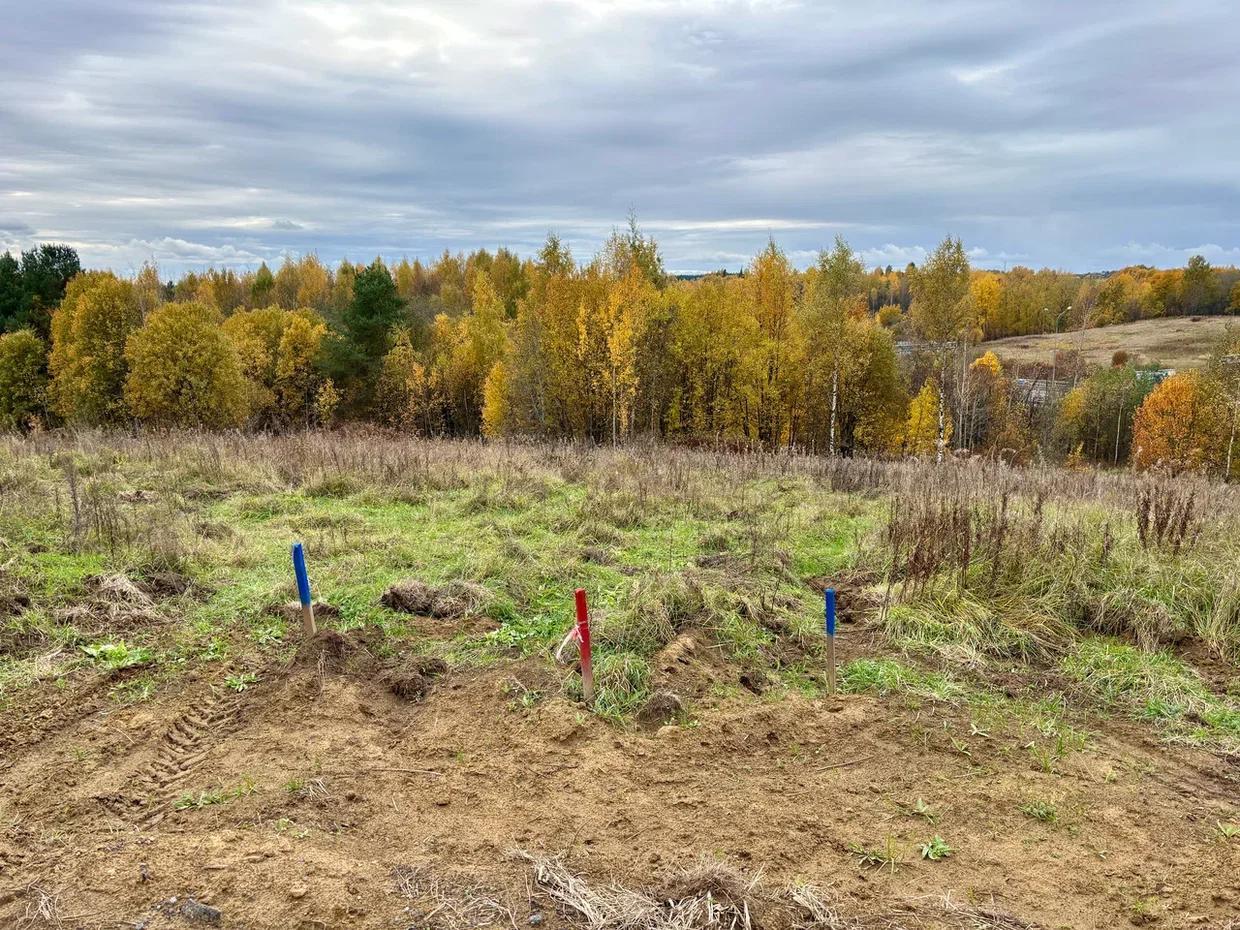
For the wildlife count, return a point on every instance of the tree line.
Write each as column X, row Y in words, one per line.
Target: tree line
column 836, row 358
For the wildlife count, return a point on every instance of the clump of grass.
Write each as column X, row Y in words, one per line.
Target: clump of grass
column 887, row 856
column 621, row 685
column 135, row 690
column 656, row 609
column 962, row 628
column 190, row 801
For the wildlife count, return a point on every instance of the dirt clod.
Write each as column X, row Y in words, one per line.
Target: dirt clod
column 160, row 585
column 455, row 599
column 201, row 913
column 329, row 650
column 413, row 679
column 663, row 707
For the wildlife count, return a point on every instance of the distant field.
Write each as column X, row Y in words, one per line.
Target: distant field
column 1176, row 343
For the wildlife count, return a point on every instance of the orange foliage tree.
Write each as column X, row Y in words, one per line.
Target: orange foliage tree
column 1181, row 425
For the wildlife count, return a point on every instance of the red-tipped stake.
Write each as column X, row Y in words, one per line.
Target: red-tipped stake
column 583, row 641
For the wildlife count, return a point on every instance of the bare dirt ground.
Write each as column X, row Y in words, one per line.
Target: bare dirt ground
column 317, row 797
column 1178, row 342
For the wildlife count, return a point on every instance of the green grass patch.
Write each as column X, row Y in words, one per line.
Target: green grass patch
column 1158, row 687
column 889, row 676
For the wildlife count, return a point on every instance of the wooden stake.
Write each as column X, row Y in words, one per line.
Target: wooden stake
column 303, row 591
column 829, row 615
column 583, row 641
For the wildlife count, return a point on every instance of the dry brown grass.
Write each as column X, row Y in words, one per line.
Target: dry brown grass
column 1177, row 342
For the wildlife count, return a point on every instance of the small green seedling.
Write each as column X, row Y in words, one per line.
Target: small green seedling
column 1040, row 810
column 240, row 682
column 920, row 808
column 115, row 656
column 190, row 801
column 1227, row 831
column 887, row 856
column 935, row 848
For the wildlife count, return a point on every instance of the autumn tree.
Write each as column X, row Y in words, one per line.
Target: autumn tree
column 945, row 317
column 148, row 289
column 772, row 301
column 713, row 350
column 184, row 370
column 544, row 383
column 1097, row 415
column 1223, row 370
column 401, row 394
column 89, row 333
column 1181, row 425
column 929, row 425
column 278, row 351
column 23, row 379
column 834, row 295
column 462, row 353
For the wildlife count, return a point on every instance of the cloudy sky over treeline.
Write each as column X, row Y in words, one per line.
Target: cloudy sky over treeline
column 1077, row 135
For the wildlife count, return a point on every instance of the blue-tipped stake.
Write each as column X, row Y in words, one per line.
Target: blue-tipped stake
column 303, row 589
column 828, row 609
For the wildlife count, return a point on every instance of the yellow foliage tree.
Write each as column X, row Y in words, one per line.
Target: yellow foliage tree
column 23, row 382
column 401, row 394
column 988, row 363
column 495, row 394
column 921, row 430
column 986, row 293
column 89, row 332
column 326, row 400
column 278, row 350
column 184, row 371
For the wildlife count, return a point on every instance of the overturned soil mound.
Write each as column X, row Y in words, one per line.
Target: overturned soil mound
column 161, row 585
column 412, row 678
column 455, row 599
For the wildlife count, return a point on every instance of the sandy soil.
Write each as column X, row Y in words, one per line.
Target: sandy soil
column 445, row 788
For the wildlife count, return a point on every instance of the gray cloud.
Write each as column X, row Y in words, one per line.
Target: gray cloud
column 1073, row 135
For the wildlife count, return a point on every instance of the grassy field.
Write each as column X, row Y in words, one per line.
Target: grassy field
column 1176, row 342
column 1037, row 667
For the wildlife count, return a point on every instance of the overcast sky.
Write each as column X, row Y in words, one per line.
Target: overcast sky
column 1079, row 135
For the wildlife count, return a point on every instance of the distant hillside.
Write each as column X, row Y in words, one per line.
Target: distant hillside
column 1175, row 342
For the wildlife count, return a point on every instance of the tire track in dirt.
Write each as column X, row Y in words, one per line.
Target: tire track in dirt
column 184, row 746
column 185, row 743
